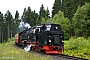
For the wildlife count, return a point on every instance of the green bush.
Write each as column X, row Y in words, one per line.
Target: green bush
column 78, row 47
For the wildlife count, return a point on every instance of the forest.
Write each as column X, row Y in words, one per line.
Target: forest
column 72, row 15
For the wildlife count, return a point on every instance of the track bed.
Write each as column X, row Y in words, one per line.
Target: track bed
column 54, row 57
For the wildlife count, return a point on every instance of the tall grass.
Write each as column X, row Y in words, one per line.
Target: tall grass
column 9, row 52
column 78, row 47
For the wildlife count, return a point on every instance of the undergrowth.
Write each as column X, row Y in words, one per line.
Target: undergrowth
column 78, row 47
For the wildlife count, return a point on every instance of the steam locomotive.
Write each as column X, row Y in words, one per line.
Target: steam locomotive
column 48, row 37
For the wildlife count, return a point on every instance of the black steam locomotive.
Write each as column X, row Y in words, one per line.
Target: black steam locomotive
column 47, row 37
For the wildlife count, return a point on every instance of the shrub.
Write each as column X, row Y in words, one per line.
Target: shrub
column 78, row 47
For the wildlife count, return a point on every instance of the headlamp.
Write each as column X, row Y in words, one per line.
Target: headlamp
column 49, row 40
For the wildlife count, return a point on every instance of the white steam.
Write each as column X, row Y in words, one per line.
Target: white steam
column 27, row 48
column 23, row 26
column 27, row 25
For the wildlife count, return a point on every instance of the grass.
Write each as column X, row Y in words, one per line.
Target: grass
column 8, row 52
column 78, row 47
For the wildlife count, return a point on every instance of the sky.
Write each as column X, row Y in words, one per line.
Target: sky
column 13, row 5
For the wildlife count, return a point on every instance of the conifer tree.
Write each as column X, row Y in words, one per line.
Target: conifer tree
column 57, row 7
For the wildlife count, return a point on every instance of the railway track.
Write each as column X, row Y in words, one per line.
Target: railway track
column 54, row 57
column 66, row 57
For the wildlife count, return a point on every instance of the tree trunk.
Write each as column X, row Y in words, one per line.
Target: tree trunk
column 79, row 2
column 8, row 31
column 0, row 36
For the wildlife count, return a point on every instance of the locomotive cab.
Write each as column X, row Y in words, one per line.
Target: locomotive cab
column 51, row 38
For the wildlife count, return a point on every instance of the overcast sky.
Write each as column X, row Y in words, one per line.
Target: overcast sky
column 19, row 5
